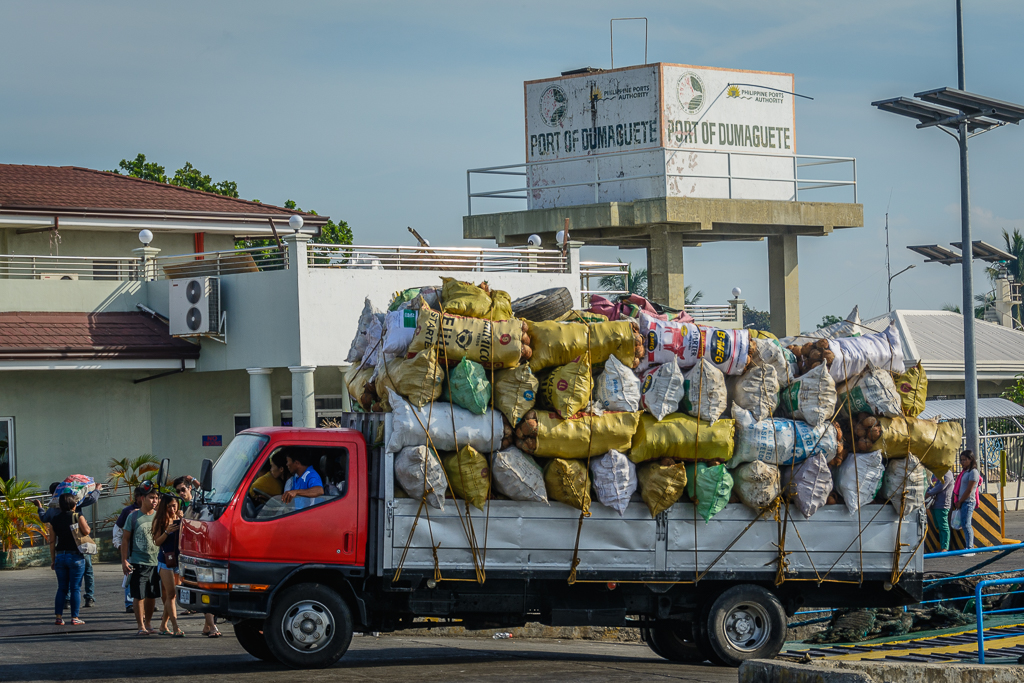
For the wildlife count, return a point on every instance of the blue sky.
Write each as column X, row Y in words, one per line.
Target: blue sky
column 372, row 112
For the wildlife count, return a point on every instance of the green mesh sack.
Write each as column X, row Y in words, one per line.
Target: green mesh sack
column 714, row 486
column 692, row 470
column 470, row 387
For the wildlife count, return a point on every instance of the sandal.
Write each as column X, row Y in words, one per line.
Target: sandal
column 166, row 632
column 214, row 633
column 59, row 621
column 179, row 633
column 142, row 632
column 77, row 622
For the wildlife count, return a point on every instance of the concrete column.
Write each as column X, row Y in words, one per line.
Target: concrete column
column 297, row 256
column 1004, row 303
column 784, row 285
column 665, row 268
column 261, row 402
column 147, row 267
column 303, row 406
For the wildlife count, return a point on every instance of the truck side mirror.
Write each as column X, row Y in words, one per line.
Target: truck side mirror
column 161, row 475
column 206, row 475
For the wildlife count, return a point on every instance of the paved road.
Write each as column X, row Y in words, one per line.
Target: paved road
column 106, row 649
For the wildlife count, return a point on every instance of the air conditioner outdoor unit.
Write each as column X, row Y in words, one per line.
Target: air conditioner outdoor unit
column 58, row 276
column 195, row 306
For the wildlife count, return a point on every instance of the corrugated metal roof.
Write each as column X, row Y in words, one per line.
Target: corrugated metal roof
column 987, row 407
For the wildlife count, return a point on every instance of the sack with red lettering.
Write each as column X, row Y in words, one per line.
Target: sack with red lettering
column 686, row 343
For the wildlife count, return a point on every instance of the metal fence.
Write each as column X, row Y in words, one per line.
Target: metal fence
column 26, row 267
column 617, row 281
column 229, row 262
column 475, row 259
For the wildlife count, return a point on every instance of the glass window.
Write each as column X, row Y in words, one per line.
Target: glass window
column 312, row 466
column 7, row 448
column 233, row 464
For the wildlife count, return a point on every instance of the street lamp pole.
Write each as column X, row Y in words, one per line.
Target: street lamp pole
column 891, row 278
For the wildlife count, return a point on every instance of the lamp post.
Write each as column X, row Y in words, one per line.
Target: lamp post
column 891, row 278
column 962, row 115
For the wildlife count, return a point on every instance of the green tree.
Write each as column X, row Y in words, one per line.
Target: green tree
column 757, row 320
column 829, row 320
column 18, row 516
column 1015, row 392
column 191, row 177
column 140, row 168
column 691, row 299
column 130, row 472
column 636, row 282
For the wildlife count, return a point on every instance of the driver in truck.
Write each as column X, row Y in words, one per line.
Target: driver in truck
column 304, row 485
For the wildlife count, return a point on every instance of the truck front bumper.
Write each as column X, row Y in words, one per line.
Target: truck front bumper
column 230, row 605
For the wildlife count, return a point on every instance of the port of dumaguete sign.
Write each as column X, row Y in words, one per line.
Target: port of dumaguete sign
column 573, row 342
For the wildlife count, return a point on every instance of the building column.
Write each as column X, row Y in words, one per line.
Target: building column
column 298, row 256
column 665, row 268
column 784, row 285
column 261, row 401
column 303, row 405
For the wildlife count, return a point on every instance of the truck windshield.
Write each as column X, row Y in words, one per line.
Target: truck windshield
column 232, row 465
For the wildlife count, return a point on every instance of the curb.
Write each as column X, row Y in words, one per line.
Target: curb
column 770, row 671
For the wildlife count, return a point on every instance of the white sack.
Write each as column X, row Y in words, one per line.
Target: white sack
column 399, row 328
column 518, row 476
column 808, row 484
column 661, row 389
column 704, row 397
column 372, row 353
column 865, row 469
column 617, row 388
column 756, row 483
column 685, row 343
column 911, row 471
column 614, row 480
column 358, row 347
column 757, row 390
column 410, row 465
column 811, row 397
column 482, row 432
column 772, row 352
column 851, row 327
column 853, row 354
column 779, row 441
column 873, row 392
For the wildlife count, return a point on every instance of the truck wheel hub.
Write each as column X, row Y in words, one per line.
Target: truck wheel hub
column 308, row 626
column 747, row 627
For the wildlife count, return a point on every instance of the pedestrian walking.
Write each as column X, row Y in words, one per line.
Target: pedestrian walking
column 165, row 535
column 118, row 533
column 139, row 560
column 941, row 494
column 48, row 513
column 66, row 559
column 185, row 487
column 967, row 498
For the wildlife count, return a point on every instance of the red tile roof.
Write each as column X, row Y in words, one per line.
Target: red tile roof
column 83, row 189
column 95, row 336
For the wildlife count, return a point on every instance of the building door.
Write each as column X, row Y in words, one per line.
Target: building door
column 7, row 448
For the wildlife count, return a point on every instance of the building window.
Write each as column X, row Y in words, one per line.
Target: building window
column 7, row 470
column 242, row 422
column 326, row 407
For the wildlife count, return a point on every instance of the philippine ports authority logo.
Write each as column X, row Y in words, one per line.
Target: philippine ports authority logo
column 690, row 91
column 554, row 105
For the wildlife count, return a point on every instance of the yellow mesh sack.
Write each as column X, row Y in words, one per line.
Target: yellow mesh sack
column 912, row 386
column 419, row 379
column 937, row 444
column 661, row 485
column 676, row 436
column 557, row 343
column 567, row 389
column 468, row 476
column 585, row 435
column 568, row 481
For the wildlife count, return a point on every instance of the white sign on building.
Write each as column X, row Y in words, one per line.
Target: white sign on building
column 660, row 130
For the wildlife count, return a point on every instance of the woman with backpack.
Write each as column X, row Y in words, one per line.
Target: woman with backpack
column 66, row 559
column 165, row 535
column 966, row 497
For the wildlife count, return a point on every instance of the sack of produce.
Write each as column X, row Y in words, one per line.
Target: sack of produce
column 567, row 389
column 912, row 386
column 374, row 348
column 714, row 488
column 492, row 344
column 853, row 354
column 614, row 478
column 399, row 328
column 756, row 390
column 757, row 484
column 567, row 482
column 517, row 476
column 553, row 343
column 685, row 343
column 419, row 379
column 771, row 352
column 937, row 444
column 409, row 298
column 692, row 470
column 704, row 392
column 469, row 386
column 905, row 474
column 358, row 346
column 416, row 465
column 811, row 397
column 468, row 476
column 850, row 327
column 661, row 389
column 617, row 388
column 356, row 377
column 808, row 484
column 779, row 441
column 515, row 392
column 544, row 434
column 870, row 392
column 810, row 355
column 682, row 437
column 483, row 432
column 475, row 301
column 581, row 317
column 662, row 483
column 859, row 478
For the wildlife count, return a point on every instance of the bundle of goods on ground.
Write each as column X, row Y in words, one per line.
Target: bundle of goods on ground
column 626, row 401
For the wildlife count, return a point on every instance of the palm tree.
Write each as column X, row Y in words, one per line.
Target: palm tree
column 691, row 300
column 18, row 516
column 130, row 472
column 635, row 284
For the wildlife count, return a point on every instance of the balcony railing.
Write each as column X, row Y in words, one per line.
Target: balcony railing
column 599, row 270
column 252, row 260
column 443, row 258
column 24, row 267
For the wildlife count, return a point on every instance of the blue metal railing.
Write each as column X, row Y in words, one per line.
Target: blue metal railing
column 979, row 608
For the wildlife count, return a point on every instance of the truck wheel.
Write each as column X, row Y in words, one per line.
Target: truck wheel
column 309, row 626
column 669, row 642
column 249, row 633
column 546, row 305
column 745, row 622
column 645, row 636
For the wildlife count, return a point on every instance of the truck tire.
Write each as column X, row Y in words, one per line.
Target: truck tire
column 670, row 642
column 309, row 626
column 546, row 305
column 745, row 622
column 249, row 633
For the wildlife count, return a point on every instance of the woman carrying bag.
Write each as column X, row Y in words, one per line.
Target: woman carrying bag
column 966, row 498
column 68, row 533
